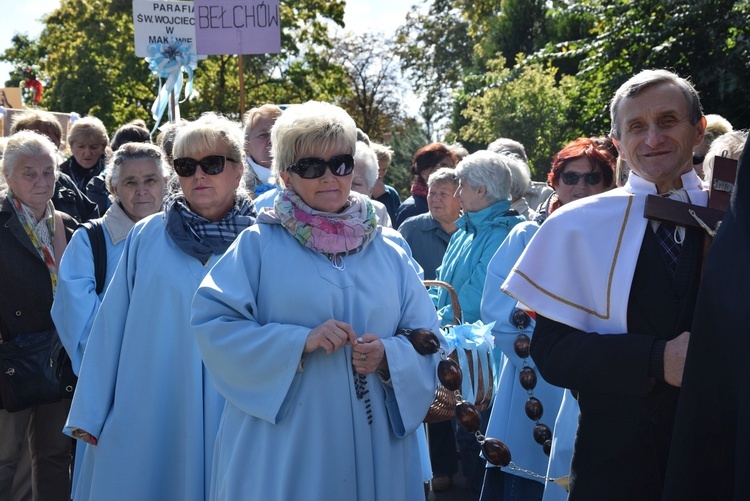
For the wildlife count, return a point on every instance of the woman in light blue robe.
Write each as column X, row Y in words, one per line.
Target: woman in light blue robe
column 508, row 421
column 296, row 324
column 136, row 176
column 144, row 402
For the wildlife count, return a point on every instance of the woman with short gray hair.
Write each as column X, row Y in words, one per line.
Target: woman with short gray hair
column 33, row 236
column 136, row 178
column 484, row 189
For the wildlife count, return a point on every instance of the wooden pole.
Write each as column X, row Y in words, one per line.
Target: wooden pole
column 242, row 85
column 172, row 117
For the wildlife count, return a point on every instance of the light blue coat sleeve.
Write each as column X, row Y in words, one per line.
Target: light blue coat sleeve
column 95, row 390
column 497, row 306
column 76, row 301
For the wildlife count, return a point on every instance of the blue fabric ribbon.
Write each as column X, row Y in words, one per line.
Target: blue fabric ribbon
column 262, row 188
column 169, row 60
column 476, row 338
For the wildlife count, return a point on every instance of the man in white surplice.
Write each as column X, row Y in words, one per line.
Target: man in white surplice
column 612, row 312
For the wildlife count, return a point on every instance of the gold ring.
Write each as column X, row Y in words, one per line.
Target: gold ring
column 362, row 357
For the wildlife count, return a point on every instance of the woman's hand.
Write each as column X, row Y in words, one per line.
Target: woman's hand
column 331, row 335
column 368, row 354
column 85, row 436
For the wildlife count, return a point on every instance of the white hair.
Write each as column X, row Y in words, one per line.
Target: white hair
column 485, row 168
column 366, row 158
column 24, row 144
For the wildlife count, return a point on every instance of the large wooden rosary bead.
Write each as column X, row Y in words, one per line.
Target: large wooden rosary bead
column 496, row 452
column 527, row 377
column 542, row 433
column 449, row 374
column 534, row 409
column 468, row 416
column 424, row 341
column 521, row 345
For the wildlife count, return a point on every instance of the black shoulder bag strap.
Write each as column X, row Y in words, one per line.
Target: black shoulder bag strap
column 95, row 231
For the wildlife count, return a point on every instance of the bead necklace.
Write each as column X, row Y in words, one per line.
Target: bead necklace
column 527, row 378
column 467, row 415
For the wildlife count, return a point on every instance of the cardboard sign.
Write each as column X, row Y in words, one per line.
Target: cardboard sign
column 10, row 97
column 162, row 21
column 237, row 27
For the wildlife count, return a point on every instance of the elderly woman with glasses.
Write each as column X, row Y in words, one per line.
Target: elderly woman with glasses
column 144, row 400
column 33, row 236
column 296, row 325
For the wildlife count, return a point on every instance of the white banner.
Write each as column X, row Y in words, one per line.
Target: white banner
column 161, row 22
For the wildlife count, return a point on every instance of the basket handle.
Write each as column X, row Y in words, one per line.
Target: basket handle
column 457, row 314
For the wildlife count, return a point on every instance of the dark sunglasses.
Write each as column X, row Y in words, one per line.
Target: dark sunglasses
column 312, row 168
column 211, row 165
column 572, row 178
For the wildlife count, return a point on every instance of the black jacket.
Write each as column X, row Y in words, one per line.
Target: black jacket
column 627, row 410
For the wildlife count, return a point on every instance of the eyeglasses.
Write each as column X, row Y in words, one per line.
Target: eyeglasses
column 572, row 178
column 211, row 165
column 313, row 168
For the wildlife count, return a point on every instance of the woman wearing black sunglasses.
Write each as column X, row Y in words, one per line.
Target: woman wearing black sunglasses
column 143, row 398
column 581, row 169
column 296, row 325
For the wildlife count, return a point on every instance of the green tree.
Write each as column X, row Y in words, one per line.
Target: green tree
column 705, row 40
column 405, row 142
column 435, row 50
column 528, row 105
column 374, row 85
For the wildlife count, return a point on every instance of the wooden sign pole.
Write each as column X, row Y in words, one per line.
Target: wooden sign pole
column 242, row 85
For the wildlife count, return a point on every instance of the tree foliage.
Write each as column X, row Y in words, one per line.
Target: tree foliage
column 529, row 106
column 594, row 45
column 88, row 63
column 435, row 50
column 374, row 93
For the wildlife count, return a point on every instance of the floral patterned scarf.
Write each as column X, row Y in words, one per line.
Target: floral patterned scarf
column 333, row 234
column 43, row 243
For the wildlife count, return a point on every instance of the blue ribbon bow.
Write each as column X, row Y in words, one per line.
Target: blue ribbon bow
column 476, row 338
column 169, row 60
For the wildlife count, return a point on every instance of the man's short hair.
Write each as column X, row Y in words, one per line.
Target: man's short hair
column 650, row 78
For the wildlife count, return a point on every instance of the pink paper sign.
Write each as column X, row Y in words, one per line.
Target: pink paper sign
column 237, row 27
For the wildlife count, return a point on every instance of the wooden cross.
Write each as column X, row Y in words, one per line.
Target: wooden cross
column 709, row 218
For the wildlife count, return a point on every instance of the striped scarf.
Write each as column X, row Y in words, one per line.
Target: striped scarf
column 201, row 238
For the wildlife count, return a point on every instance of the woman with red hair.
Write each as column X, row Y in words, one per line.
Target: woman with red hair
column 581, row 169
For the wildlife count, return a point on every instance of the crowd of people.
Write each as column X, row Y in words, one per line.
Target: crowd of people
column 224, row 314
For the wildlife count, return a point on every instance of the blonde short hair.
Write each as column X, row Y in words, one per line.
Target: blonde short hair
column 312, row 126
column 88, row 128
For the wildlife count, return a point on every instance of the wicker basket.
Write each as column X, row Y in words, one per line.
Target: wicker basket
column 444, row 405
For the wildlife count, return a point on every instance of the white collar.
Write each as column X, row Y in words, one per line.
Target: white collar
column 263, row 173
